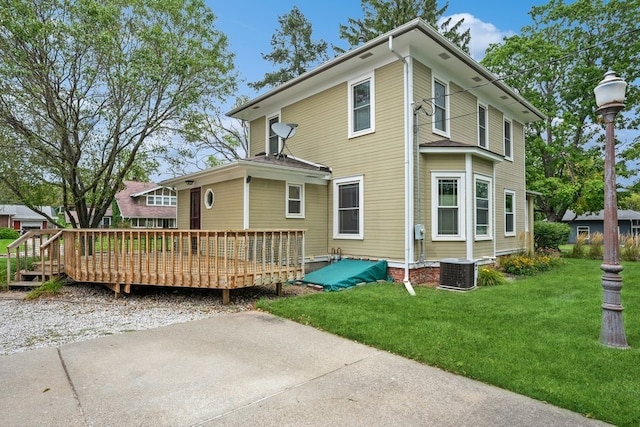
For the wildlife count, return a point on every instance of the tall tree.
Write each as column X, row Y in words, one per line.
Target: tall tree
column 293, row 50
column 555, row 63
column 90, row 90
column 381, row 16
column 221, row 139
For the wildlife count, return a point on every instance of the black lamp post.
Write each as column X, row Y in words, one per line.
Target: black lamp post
column 610, row 97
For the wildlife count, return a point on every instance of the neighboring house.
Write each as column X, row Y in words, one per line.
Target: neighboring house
column 20, row 217
column 406, row 150
column 628, row 223
column 147, row 205
column 105, row 222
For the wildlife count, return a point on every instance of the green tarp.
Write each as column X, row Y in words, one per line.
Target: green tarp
column 347, row 273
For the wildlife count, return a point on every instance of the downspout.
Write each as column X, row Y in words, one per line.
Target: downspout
column 408, row 170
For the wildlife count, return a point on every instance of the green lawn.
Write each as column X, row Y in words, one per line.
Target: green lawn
column 537, row 336
column 3, row 245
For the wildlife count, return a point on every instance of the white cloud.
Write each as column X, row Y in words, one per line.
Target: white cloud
column 482, row 33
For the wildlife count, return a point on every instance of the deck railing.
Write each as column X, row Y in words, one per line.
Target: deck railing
column 185, row 258
column 36, row 250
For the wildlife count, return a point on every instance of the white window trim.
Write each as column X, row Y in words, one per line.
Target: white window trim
column 513, row 194
column 206, row 198
column 486, row 124
column 489, row 235
column 270, row 117
column 460, row 176
column 447, row 107
column 372, row 106
column 583, row 227
column 504, row 138
column 286, row 200
column 336, row 229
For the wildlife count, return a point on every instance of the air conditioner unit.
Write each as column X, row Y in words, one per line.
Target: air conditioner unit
column 458, row 274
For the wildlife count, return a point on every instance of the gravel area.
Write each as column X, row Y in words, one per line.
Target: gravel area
column 82, row 312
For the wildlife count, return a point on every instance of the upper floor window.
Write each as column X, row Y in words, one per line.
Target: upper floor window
column 361, row 106
column 448, row 206
column 483, row 207
column 295, row 201
column 509, row 213
column 273, row 140
column 348, row 218
column 482, row 126
column 162, row 197
column 508, row 140
column 440, row 107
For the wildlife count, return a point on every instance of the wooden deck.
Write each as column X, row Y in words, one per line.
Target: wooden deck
column 181, row 258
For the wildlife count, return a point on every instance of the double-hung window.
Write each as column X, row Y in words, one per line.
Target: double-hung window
column 440, row 107
column 295, row 200
column 508, row 140
column 273, row 140
column 361, row 106
column 448, row 206
column 348, row 217
column 584, row 231
column 482, row 126
column 509, row 213
column 483, row 215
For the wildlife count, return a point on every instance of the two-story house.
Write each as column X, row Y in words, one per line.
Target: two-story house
column 147, row 205
column 406, row 149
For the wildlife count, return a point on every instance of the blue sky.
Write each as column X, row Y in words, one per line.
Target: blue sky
column 250, row 25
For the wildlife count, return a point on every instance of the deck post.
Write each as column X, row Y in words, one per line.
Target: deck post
column 225, row 297
column 279, row 289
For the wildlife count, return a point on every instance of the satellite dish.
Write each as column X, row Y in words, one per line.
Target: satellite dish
column 284, row 130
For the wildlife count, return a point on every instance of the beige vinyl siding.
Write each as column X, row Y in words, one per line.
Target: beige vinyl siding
column 378, row 157
column 267, row 210
column 510, row 175
column 227, row 210
column 436, row 250
column 495, row 131
column 182, row 209
column 257, row 136
column 482, row 248
column 463, row 123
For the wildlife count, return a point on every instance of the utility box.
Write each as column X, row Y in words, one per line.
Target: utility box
column 458, row 274
column 419, row 232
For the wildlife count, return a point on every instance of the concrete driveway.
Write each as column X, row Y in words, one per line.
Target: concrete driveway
column 248, row 369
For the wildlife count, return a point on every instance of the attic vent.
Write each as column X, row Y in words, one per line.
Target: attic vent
column 444, row 55
column 476, row 79
column 458, row 274
column 365, row 55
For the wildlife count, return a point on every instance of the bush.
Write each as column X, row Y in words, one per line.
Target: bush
column 525, row 265
column 488, row 276
column 630, row 248
column 578, row 247
column 550, row 234
column 9, row 233
column 596, row 250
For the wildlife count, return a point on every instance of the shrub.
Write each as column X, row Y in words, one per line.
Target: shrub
column 578, row 247
column 596, row 250
column 550, row 234
column 9, row 233
column 488, row 276
column 630, row 248
column 525, row 265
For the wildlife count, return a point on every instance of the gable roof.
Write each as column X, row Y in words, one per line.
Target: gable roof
column 23, row 213
column 415, row 38
column 130, row 208
column 623, row 214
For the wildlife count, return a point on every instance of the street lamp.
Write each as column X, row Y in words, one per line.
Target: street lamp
column 610, row 97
